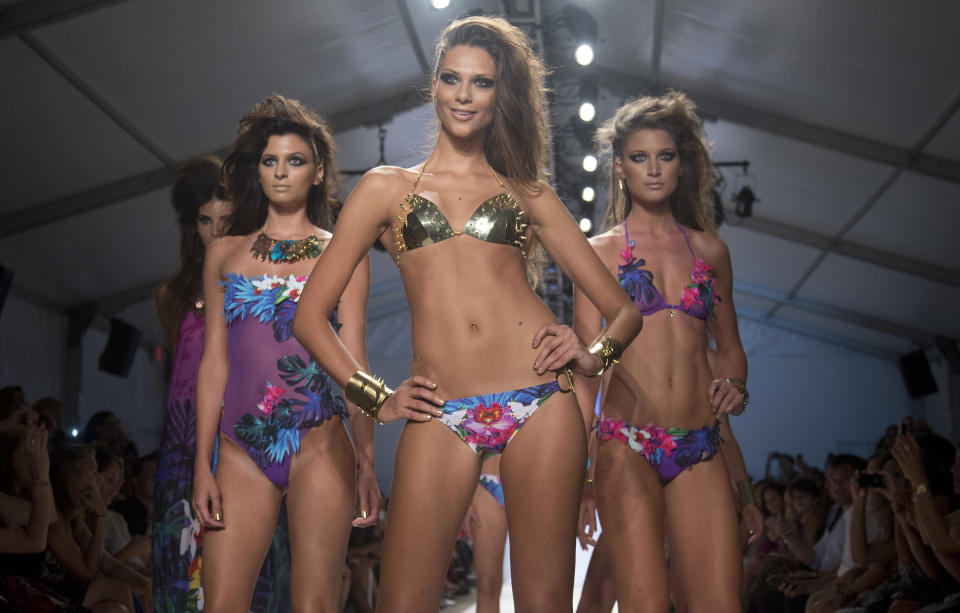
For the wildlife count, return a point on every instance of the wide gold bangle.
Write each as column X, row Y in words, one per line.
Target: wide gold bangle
column 747, row 494
column 741, row 387
column 367, row 392
column 609, row 350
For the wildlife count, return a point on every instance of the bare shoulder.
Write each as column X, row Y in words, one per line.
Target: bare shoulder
column 708, row 245
column 608, row 244
column 383, row 184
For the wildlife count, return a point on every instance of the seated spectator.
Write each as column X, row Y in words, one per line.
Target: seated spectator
column 823, row 558
column 71, row 565
column 117, row 541
column 137, row 509
column 15, row 413
column 50, row 413
column 103, row 428
column 26, row 511
column 785, row 471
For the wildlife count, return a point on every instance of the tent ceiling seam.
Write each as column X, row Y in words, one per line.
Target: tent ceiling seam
column 98, row 100
column 828, row 138
column 922, row 142
column 657, row 48
column 52, row 211
column 412, row 35
column 28, row 15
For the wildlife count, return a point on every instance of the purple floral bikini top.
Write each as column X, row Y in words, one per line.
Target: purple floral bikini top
column 698, row 299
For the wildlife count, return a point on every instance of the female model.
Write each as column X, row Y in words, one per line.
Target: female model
column 277, row 430
column 203, row 211
column 660, row 423
column 489, row 360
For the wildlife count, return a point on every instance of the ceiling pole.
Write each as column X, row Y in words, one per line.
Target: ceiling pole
column 657, row 49
column 716, row 108
column 922, row 142
column 27, row 15
column 99, row 101
column 412, row 36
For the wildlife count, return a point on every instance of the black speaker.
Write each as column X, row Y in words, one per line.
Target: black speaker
column 917, row 375
column 121, row 348
column 6, row 280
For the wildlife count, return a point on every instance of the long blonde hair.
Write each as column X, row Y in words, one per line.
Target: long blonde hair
column 676, row 114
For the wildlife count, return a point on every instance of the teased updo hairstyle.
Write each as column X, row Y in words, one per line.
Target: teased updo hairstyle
column 516, row 143
column 676, row 114
column 276, row 116
column 196, row 183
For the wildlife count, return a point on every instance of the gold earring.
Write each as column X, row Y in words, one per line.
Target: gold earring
column 622, row 188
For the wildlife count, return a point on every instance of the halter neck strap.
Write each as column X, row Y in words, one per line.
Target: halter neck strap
column 424, row 165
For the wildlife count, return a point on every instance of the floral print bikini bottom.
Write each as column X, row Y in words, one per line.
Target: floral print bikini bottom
column 488, row 422
column 669, row 450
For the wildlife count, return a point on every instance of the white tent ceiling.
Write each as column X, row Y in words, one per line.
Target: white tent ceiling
column 846, row 111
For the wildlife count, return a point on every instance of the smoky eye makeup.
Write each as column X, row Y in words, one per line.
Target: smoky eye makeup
column 203, row 219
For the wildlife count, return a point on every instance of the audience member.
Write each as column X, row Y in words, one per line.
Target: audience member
column 137, row 508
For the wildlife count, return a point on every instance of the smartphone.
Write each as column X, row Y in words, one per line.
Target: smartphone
column 870, row 480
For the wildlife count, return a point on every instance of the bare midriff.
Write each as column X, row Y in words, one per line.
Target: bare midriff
column 663, row 376
column 474, row 317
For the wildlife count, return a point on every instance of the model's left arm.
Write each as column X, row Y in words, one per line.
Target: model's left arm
column 352, row 314
column 560, row 235
column 727, row 392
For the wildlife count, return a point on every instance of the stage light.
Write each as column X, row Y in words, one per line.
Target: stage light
column 586, row 225
column 584, row 54
column 587, row 111
column 74, row 433
column 588, row 194
column 589, row 162
column 744, row 200
column 440, row 4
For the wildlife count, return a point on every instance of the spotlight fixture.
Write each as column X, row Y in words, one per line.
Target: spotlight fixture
column 590, row 162
column 440, row 4
column 585, row 224
column 74, row 433
column 584, row 54
column 587, row 111
column 588, row 194
column 744, row 201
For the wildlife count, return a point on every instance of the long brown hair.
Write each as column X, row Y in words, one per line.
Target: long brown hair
column 517, row 142
column 197, row 182
column 675, row 113
column 276, row 116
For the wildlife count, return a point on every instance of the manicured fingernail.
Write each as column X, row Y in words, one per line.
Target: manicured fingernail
column 433, row 385
column 364, row 514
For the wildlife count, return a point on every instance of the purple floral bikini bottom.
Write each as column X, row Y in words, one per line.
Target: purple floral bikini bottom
column 669, row 450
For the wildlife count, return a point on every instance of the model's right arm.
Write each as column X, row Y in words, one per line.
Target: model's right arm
column 366, row 215
column 211, row 383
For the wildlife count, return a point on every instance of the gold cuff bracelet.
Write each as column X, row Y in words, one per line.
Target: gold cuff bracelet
column 609, row 350
column 367, row 392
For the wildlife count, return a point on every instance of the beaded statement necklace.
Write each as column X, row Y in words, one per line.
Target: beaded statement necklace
column 279, row 251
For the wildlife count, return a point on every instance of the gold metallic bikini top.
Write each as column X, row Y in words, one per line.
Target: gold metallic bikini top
column 498, row 220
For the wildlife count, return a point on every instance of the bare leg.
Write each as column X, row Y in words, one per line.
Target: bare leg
column 542, row 471
column 435, row 476
column 489, row 539
column 599, row 587
column 320, row 503
column 702, row 518
column 630, row 505
column 232, row 557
